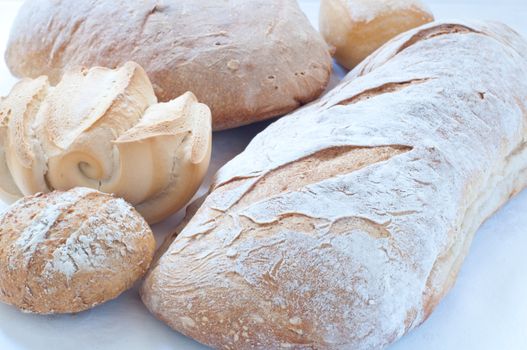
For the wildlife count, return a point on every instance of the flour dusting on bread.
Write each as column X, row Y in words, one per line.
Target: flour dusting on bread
column 65, row 252
column 352, row 216
column 367, row 10
column 86, row 249
column 37, row 230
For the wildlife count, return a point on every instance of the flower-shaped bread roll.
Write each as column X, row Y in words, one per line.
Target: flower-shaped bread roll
column 103, row 129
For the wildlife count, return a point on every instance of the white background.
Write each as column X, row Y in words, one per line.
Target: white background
column 487, row 308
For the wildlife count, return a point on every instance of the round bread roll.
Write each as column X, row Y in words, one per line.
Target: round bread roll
column 248, row 60
column 103, row 129
column 66, row 252
column 356, row 28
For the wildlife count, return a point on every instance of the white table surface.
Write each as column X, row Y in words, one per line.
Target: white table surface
column 486, row 310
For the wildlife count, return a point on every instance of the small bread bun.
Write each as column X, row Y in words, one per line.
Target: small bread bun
column 356, row 28
column 65, row 252
column 103, row 129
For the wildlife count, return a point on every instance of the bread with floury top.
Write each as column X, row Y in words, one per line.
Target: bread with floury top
column 344, row 224
column 66, row 252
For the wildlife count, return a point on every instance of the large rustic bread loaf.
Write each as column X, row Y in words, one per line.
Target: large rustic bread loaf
column 103, row 129
column 343, row 225
column 247, row 59
column 66, row 252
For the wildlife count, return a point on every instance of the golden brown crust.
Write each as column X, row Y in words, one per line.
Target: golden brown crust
column 66, row 252
column 356, row 28
column 247, row 60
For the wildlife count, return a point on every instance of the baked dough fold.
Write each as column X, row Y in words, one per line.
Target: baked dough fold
column 103, row 129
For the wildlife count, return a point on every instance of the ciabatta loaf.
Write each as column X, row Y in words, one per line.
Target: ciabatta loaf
column 343, row 225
